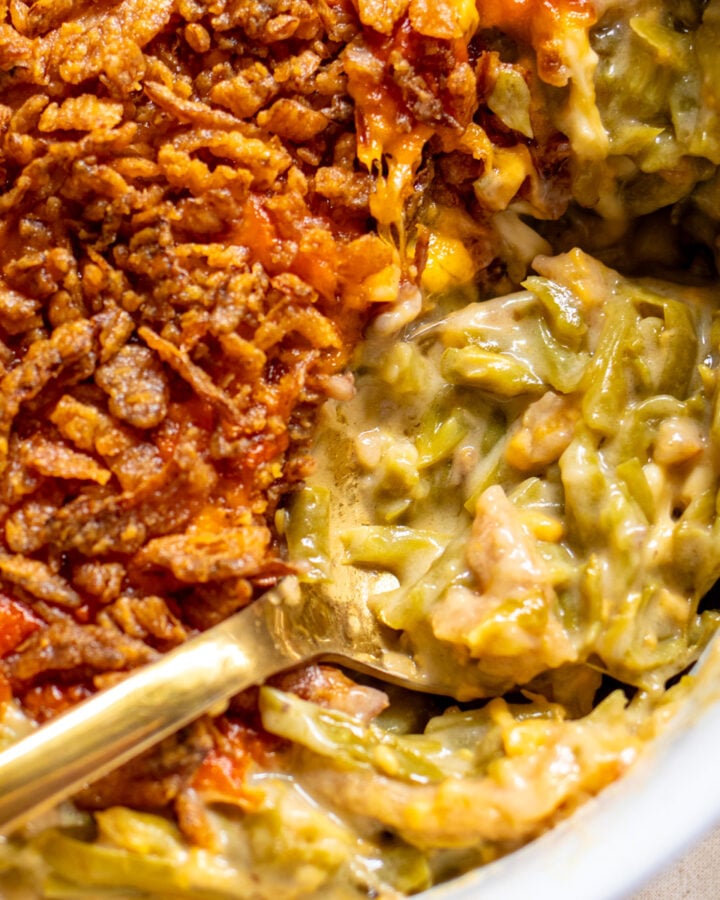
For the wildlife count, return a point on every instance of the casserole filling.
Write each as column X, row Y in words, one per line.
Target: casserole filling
column 203, row 206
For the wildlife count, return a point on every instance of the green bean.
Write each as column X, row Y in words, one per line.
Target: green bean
column 606, row 381
column 562, row 369
column 393, row 547
column 510, row 100
column 492, row 469
column 680, row 343
column 497, row 373
column 441, row 430
column 308, row 532
column 340, row 736
column 632, row 474
column 562, row 309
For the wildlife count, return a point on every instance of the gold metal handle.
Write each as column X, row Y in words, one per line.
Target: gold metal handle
column 115, row 725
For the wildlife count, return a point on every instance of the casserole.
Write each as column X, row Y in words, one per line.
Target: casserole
column 203, row 206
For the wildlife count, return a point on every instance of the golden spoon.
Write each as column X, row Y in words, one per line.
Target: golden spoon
column 290, row 625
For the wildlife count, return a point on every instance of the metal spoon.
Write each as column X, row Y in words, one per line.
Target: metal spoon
column 289, row 625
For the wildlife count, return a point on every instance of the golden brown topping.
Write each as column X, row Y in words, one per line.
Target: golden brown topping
column 172, row 306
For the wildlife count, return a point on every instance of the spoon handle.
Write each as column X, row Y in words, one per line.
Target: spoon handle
column 118, row 723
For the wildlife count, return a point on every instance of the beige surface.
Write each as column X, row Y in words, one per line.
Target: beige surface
column 696, row 876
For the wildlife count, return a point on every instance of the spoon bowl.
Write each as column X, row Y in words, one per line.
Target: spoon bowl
column 290, row 625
